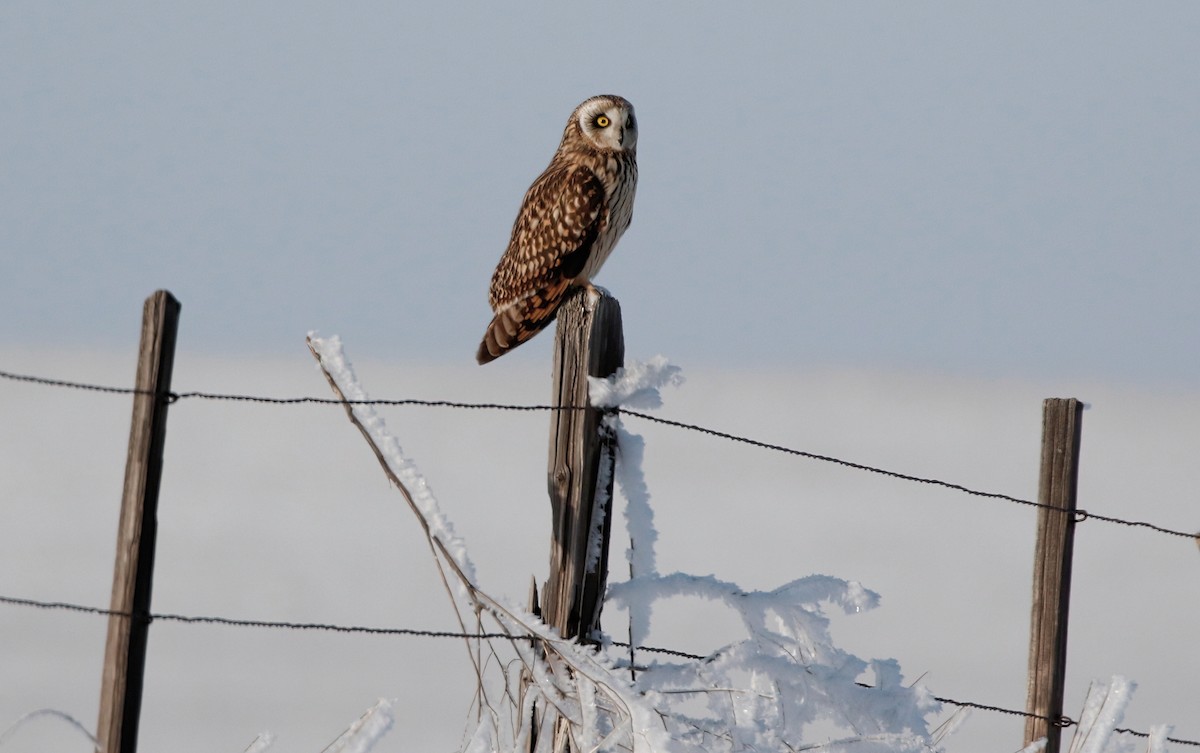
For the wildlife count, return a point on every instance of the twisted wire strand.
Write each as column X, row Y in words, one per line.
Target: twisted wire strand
column 1062, row 721
column 172, row 397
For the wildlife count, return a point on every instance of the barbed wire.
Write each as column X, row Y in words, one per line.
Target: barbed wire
column 1062, row 721
column 1079, row 515
column 73, row 385
column 284, row 625
column 318, row 626
column 172, row 397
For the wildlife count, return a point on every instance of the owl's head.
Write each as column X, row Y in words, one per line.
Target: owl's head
column 605, row 122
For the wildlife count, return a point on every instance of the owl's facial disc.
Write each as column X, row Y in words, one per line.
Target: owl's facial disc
column 609, row 125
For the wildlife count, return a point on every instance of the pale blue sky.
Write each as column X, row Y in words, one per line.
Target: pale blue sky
column 981, row 188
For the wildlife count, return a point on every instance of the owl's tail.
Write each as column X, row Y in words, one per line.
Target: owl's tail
column 515, row 324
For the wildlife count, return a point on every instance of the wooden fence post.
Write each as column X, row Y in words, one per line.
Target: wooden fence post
column 589, row 341
column 125, row 649
column 1061, row 427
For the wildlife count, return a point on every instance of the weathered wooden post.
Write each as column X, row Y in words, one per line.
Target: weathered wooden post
column 125, row 649
column 589, row 341
column 1061, row 428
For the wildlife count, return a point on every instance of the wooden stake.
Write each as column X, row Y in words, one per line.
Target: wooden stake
column 1061, row 427
column 588, row 342
column 125, row 650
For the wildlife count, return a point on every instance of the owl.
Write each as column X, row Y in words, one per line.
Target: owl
column 570, row 220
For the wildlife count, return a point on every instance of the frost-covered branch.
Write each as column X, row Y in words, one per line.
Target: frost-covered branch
column 760, row 693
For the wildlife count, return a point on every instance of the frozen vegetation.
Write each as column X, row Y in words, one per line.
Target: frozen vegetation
column 784, row 686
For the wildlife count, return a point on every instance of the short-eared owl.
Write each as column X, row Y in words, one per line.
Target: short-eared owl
column 570, row 220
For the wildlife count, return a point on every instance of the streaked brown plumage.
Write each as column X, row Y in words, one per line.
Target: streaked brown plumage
column 570, row 220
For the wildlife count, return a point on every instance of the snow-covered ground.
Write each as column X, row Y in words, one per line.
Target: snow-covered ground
column 282, row 513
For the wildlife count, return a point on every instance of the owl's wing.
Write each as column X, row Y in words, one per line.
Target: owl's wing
column 561, row 216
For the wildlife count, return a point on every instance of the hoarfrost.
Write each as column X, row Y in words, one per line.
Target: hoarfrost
column 261, row 743
column 339, row 369
column 366, row 731
column 635, row 386
column 1158, row 738
column 1103, row 710
column 763, row 692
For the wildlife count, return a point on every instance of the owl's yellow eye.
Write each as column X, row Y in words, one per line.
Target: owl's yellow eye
column 603, row 121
